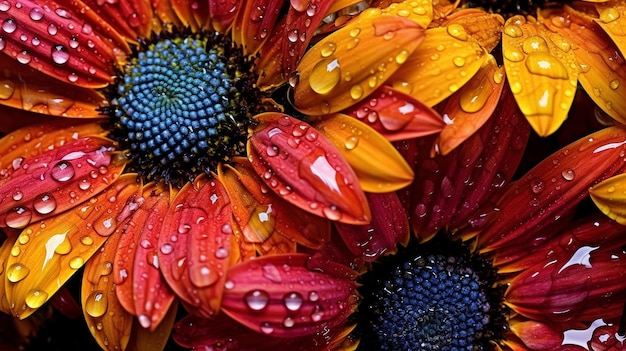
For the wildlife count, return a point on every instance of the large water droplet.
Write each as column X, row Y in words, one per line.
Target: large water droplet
column 17, row 272
column 62, row 171
column 60, row 54
column 457, row 31
column 293, row 301
column 96, row 304
column 568, row 174
column 257, row 299
column 9, row 26
column 35, row 298
column 325, row 76
column 36, row 14
column 45, row 204
column 7, row 87
column 18, row 217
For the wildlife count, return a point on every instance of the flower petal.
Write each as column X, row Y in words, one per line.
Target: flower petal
column 222, row 13
column 304, row 168
column 485, row 27
column 47, row 254
column 192, row 14
column 610, row 197
column 612, row 21
column 75, row 47
column 351, row 63
column 553, row 187
column 389, row 227
column 420, row 11
column 541, row 70
column 54, row 181
column 397, row 116
column 471, row 106
column 446, row 60
column 196, row 245
column 255, row 22
column 131, row 19
column 582, row 285
column 261, row 213
column 5, row 251
column 602, row 70
column 142, row 339
column 289, row 295
column 537, row 335
column 385, row 172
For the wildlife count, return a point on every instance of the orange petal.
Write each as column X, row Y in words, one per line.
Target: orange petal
column 255, row 23
column 132, row 19
column 397, row 116
column 378, row 165
column 610, row 197
column 107, row 320
column 304, row 168
column 44, row 94
column 446, row 60
column 541, row 70
column 75, row 45
column 349, row 64
column 192, row 14
column 289, row 295
column 43, row 186
column 47, row 254
column 612, row 20
column 602, row 70
column 471, row 106
column 142, row 339
column 5, row 251
column 485, row 27
column 262, row 214
column 196, row 245
column 420, row 11
column 222, row 13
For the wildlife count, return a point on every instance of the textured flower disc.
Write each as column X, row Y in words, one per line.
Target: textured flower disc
column 436, row 295
column 184, row 104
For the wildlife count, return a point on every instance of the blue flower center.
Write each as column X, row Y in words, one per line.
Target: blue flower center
column 426, row 301
column 183, row 104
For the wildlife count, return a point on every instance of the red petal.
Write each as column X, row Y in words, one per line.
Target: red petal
column 552, row 188
column 76, row 47
column 255, row 23
column 289, row 295
column 538, row 336
column 54, row 181
column 396, row 115
column 132, row 19
column 304, row 168
column 388, row 228
column 196, row 245
column 223, row 13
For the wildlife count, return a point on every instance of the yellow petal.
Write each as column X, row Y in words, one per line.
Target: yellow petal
column 377, row 164
column 485, row 27
column 541, row 70
column 446, row 60
column 418, row 11
column 610, row 197
column 143, row 339
column 612, row 19
column 348, row 65
column 46, row 254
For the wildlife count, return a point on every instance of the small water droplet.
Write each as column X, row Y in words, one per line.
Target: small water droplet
column 96, row 304
column 60, row 54
column 568, row 174
column 293, row 301
column 35, row 298
column 76, row 262
column 18, row 217
column 45, row 204
column 609, row 15
column 17, row 272
column 457, row 31
column 7, row 87
column 328, row 49
column 5, row 6
column 288, row 322
column 18, row 195
column 266, row 328
column 36, row 14
column 167, row 249
column 23, row 57
column 229, row 284
column 257, row 300
column 9, row 26
column 62, row 171
column 313, row 296
column 513, row 31
column 331, row 212
column 614, row 84
column 356, row 92
column 317, row 314
column 52, row 29
column 537, row 185
column 351, row 142
column 84, row 184
column 221, row 253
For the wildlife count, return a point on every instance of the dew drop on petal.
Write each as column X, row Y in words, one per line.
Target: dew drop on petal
column 76, row 262
column 257, row 300
column 351, row 142
column 5, row 6
column 18, row 217
column 221, row 253
column 317, row 314
column 167, row 249
column 60, row 54
column 45, row 204
column 7, row 87
column 62, row 171
column 288, row 322
column 313, row 296
column 23, row 57
column 266, row 328
column 9, row 26
column 325, row 76
column 17, row 272
column 537, row 185
column 568, row 174
column 36, row 14
column 35, row 298
column 457, row 31
column 331, row 212
column 52, row 29
column 293, row 301
column 96, row 304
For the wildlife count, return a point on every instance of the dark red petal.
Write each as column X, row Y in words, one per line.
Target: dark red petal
column 579, row 285
column 553, row 187
column 396, row 115
column 537, row 335
column 132, row 19
column 52, row 182
column 73, row 44
column 449, row 189
column 255, row 23
column 289, row 295
column 196, row 245
column 304, row 168
column 388, row 228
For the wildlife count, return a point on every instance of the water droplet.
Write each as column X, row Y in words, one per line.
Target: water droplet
column 86, row 240
column 221, row 253
column 272, row 150
column 105, row 226
column 513, row 55
column 5, row 6
column 537, row 185
column 35, row 298
column 7, row 87
column 23, row 238
column 288, row 322
column 17, row 272
column 257, row 299
column 352, row 142
column 356, row 92
column 18, row 217
column 9, row 26
column 535, row 44
column 457, row 31
column 266, row 328
column 513, row 31
column 293, row 301
column 36, row 14
column 62, row 171
column 328, row 49
column 313, row 296
column 402, row 56
column 325, row 76
column 96, row 304
column 317, row 314
column 568, row 174
column 60, row 54
column 167, row 249
column 84, row 184
column 229, row 284
column 609, row 15
column 292, row 36
column 614, row 84
column 459, row 61
column 332, row 213
column 18, row 195
column 45, row 204
column 52, row 29
column 76, row 262
column 63, row 13
column 23, row 57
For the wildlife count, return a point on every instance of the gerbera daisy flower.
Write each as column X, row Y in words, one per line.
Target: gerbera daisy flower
column 152, row 147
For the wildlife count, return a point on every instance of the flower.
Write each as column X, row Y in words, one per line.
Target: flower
column 152, row 147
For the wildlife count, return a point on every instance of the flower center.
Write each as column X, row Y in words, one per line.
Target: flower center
column 433, row 296
column 183, row 104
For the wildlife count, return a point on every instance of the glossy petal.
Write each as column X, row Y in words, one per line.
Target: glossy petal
column 485, row 27
column 196, row 245
column 537, row 335
column 222, row 13
column 451, row 188
column 45, row 185
column 107, row 320
column 56, row 248
column 75, row 47
column 193, row 14
column 304, row 168
column 397, row 116
column 378, row 165
column 351, row 63
column 580, row 285
column 420, row 12
column 389, row 227
column 446, row 60
column 255, row 23
column 602, row 68
column 131, row 19
column 142, row 339
column 289, row 295
column 610, row 196
column 541, row 70
column 262, row 214
column 612, row 20
column 5, row 251
column 140, row 287
column 470, row 107
column 553, row 187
